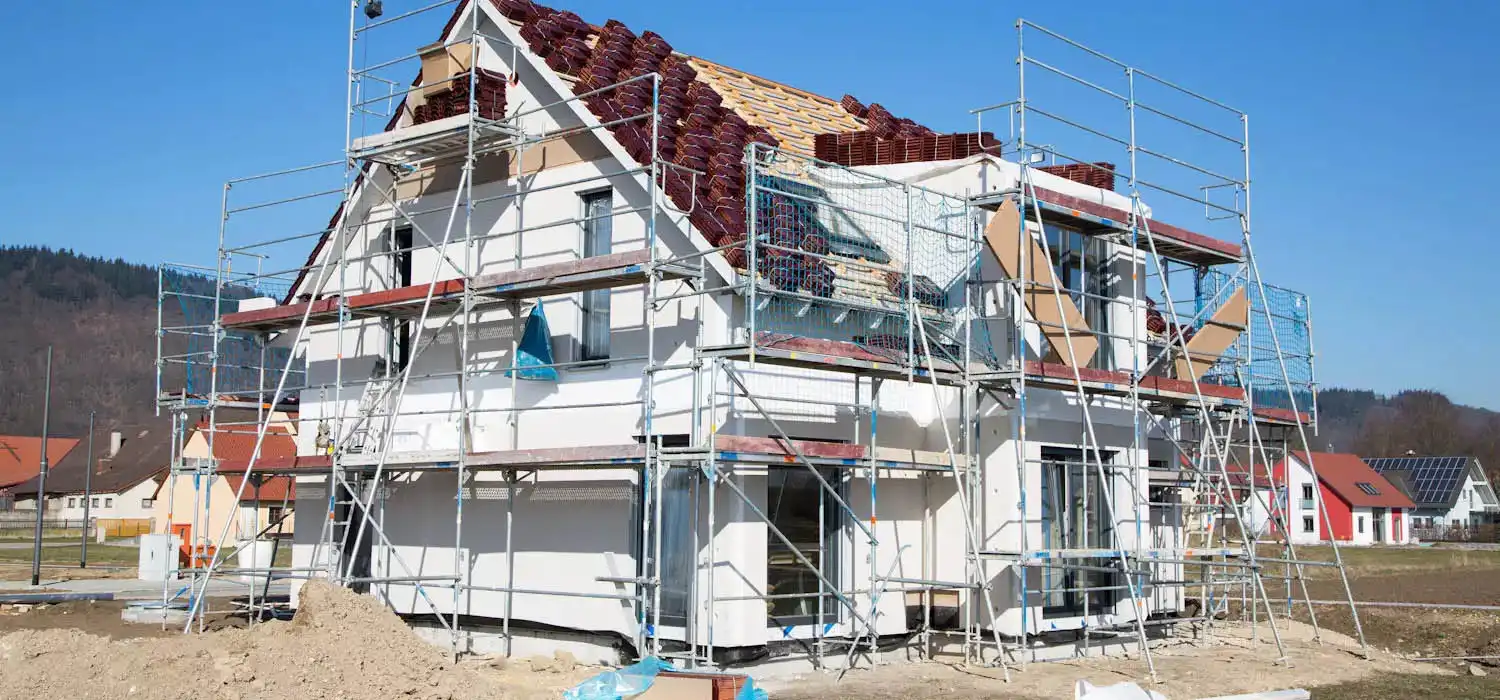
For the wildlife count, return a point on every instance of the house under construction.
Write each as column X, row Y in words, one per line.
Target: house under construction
column 614, row 348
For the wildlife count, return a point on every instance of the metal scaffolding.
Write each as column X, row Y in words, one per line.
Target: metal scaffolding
column 910, row 306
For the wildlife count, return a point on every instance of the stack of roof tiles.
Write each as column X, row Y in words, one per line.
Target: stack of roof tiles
column 888, row 140
column 924, row 290
column 1100, row 175
column 864, row 148
column 790, row 258
column 694, row 129
column 489, row 89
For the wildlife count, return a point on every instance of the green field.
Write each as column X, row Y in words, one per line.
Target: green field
column 1374, row 561
column 103, row 554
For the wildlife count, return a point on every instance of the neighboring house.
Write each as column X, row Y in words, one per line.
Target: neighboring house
column 1362, row 506
column 1451, row 493
column 21, row 458
column 127, row 471
column 260, row 505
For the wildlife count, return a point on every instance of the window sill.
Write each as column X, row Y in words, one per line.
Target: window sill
column 591, row 366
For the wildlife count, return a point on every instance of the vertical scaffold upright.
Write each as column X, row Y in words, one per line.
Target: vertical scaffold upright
column 1224, row 473
column 250, row 376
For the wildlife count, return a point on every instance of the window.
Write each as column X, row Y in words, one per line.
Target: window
column 594, row 307
column 72, row 502
column 94, row 502
column 1082, row 266
column 273, row 514
column 401, row 265
column 803, row 511
column 1307, row 523
column 1361, row 524
column 109, row 503
column 1074, row 517
column 1368, row 488
column 147, row 503
column 1307, row 492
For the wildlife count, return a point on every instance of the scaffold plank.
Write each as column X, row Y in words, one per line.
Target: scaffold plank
column 729, row 448
column 601, row 272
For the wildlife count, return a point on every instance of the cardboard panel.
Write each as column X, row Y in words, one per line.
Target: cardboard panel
column 1003, row 235
column 440, row 62
column 1216, row 335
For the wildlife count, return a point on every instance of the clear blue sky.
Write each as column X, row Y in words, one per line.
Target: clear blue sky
column 1373, row 128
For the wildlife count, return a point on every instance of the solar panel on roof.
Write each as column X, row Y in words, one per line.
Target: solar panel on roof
column 1368, row 488
column 1433, row 480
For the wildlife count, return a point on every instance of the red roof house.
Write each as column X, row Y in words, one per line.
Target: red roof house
column 1352, row 502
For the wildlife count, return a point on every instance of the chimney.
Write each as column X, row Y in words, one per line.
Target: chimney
column 116, row 439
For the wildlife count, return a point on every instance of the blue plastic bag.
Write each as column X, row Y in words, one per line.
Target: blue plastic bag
column 635, row 679
column 534, row 352
column 748, row 691
column 622, row 683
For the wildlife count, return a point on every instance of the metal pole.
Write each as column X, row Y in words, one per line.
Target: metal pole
column 41, row 484
column 88, row 478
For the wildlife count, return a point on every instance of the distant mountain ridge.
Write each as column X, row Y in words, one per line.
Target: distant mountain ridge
column 100, row 316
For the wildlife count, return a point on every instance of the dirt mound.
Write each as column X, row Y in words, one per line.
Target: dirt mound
column 339, row 645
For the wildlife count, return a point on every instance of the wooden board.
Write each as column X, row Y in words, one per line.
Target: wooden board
column 1003, row 235
column 1209, row 343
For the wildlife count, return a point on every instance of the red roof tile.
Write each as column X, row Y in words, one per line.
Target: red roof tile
column 273, row 489
column 1343, row 474
column 20, row 456
column 236, row 443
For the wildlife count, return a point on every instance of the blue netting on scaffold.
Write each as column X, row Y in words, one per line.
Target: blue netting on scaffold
column 840, row 253
column 1255, row 360
column 243, row 369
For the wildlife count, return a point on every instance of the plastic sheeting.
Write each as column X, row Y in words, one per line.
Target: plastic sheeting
column 534, row 352
column 635, row 679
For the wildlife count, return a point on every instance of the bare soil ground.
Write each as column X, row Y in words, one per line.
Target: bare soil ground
column 339, row 645
column 345, row 645
column 1233, row 662
column 100, row 618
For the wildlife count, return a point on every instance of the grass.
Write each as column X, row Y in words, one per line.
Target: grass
column 103, row 554
column 1413, row 687
column 48, row 534
column 1367, row 561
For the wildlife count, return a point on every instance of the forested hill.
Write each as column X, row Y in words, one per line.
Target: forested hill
column 99, row 315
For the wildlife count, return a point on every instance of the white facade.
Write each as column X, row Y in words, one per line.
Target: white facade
column 1380, row 526
column 135, row 502
column 566, row 540
column 1304, row 503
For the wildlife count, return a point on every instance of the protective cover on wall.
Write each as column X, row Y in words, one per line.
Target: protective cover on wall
column 534, row 352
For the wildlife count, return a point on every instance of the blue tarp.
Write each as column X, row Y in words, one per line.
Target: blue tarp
column 534, row 353
column 636, row 679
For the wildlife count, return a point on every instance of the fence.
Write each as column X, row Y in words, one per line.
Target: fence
column 22, row 525
column 1462, row 533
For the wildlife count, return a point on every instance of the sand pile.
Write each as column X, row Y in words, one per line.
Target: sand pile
column 339, row 645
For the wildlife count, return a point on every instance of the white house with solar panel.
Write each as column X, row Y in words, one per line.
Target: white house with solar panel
column 1451, row 493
